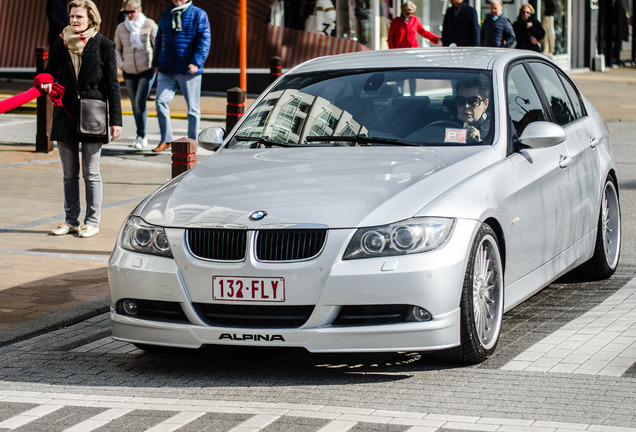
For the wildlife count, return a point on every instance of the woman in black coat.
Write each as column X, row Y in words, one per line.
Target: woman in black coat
column 83, row 62
column 528, row 30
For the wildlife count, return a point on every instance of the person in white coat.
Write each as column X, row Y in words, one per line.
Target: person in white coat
column 134, row 46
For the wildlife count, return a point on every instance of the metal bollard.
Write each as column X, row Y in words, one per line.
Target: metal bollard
column 235, row 107
column 184, row 155
column 275, row 68
column 43, row 143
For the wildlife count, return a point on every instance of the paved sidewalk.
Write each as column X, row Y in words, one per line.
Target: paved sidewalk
column 49, row 282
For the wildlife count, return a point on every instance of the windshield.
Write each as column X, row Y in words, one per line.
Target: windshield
column 363, row 108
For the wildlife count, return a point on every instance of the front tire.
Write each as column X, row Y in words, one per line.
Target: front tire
column 481, row 301
column 607, row 249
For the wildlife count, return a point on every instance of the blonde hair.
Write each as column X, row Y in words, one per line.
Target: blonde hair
column 409, row 6
column 527, row 6
column 135, row 4
column 91, row 9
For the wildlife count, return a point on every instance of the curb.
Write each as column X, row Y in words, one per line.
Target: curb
column 54, row 321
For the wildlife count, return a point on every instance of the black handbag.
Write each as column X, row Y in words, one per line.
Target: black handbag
column 93, row 120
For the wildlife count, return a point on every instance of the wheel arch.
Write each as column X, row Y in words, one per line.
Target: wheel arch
column 501, row 238
column 614, row 176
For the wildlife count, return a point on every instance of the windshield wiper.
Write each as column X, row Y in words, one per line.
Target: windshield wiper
column 360, row 139
column 265, row 141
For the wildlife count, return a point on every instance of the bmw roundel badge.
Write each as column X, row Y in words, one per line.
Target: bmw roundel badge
column 258, row 215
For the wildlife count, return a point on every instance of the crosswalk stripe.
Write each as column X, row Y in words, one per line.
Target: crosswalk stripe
column 29, row 416
column 262, row 414
column 99, row 420
column 338, row 426
column 176, row 421
column 255, row 423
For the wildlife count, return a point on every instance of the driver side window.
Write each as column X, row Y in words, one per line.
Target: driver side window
column 524, row 104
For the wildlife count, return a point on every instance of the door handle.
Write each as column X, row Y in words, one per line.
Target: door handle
column 594, row 141
column 564, row 161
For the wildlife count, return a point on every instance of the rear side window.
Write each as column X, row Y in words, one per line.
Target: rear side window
column 524, row 104
column 558, row 98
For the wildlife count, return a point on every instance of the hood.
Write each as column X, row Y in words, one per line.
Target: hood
column 332, row 187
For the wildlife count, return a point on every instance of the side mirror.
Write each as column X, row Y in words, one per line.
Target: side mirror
column 211, row 138
column 542, row 134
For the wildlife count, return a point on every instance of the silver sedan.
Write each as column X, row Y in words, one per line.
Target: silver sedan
column 397, row 200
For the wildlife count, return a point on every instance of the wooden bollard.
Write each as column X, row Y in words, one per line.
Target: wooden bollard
column 184, row 155
column 275, row 68
column 235, row 107
column 44, row 109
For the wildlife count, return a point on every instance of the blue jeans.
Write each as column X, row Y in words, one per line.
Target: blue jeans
column 138, row 86
column 190, row 86
column 69, row 155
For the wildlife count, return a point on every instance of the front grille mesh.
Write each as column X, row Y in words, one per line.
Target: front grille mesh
column 271, row 245
column 217, row 244
column 250, row 316
column 289, row 245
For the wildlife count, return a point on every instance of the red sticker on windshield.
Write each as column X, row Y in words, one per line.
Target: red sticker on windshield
column 455, row 136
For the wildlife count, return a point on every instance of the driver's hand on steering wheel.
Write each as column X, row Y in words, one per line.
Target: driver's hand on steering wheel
column 472, row 133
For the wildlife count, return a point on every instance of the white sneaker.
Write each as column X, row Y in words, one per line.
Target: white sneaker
column 88, row 231
column 64, row 229
column 140, row 143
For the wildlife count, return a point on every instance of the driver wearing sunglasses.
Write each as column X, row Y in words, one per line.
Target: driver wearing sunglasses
column 472, row 103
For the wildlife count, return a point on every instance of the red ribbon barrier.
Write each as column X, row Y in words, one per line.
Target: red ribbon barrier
column 20, row 99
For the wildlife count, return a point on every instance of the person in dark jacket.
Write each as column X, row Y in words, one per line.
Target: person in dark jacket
column 181, row 47
column 528, row 30
column 460, row 26
column 83, row 62
column 549, row 8
column 58, row 19
column 497, row 31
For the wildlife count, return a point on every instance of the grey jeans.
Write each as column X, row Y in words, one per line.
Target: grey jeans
column 69, row 155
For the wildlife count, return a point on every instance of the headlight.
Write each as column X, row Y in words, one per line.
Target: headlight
column 406, row 237
column 138, row 236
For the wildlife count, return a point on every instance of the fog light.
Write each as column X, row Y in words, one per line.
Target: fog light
column 420, row 314
column 130, row 307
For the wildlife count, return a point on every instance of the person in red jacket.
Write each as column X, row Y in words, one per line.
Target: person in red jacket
column 404, row 29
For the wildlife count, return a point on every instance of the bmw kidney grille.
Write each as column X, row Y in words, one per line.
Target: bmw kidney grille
column 270, row 245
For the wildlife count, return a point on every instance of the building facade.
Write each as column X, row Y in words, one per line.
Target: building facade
column 587, row 33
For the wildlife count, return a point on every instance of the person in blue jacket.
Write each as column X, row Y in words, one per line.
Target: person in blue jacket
column 497, row 31
column 460, row 26
column 181, row 47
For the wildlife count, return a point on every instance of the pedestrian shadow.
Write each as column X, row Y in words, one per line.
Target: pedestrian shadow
column 71, row 251
column 132, row 183
column 132, row 152
column 42, row 305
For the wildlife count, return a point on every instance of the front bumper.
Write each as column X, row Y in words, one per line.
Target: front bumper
column 432, row 281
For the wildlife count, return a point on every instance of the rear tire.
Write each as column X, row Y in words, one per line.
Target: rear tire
column 607, row 249
column 482, row 301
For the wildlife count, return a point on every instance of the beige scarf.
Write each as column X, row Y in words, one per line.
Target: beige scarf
column 75, row 42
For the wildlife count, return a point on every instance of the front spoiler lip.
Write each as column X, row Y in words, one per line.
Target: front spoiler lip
column 441, row 333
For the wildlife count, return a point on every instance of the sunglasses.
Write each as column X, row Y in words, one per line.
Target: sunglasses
column 130, row 12
column 473, row 101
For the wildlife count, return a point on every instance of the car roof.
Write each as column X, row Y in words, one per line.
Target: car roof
column 461, row 58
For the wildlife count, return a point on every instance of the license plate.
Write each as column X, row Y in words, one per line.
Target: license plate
column 248, row 288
